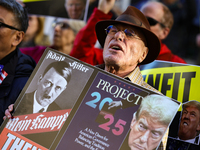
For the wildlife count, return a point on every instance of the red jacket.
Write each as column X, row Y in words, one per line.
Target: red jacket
column 86, row 38
column 84, row 44
column 167, row 55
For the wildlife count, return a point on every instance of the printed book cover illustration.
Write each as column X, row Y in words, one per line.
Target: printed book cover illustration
column 181, row 82
column 96, row 125
column 54, row 86
column 185, row 128
column 68, row 104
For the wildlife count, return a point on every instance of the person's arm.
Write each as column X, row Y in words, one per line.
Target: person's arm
column 85, row 40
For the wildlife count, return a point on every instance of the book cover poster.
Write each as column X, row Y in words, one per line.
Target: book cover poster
column 181, row 82
column 68, row 104
column 48, row 97
column 185, row 128
column 12, row 140
column 96, row 126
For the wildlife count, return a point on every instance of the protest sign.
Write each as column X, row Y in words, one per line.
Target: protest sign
column 71, row 9
column 181, row 82
column 81, row 116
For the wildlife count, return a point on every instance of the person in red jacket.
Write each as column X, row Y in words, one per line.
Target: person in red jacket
column 84, row 44
column 161, row 21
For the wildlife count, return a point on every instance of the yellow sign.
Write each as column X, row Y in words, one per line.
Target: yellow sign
column 178, row 82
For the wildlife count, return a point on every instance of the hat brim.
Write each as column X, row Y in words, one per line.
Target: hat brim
column 153, row 43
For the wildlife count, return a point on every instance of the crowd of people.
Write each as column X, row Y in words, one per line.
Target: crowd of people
column 166, row 20
column 116, row 43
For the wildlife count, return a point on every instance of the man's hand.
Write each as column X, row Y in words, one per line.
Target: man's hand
column 9, row 111
column 106, row 5
column 115, row 104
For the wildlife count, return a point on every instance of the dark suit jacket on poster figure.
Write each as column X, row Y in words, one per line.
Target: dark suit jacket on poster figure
column 26, row 105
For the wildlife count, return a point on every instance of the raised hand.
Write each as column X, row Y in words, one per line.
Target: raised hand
column 106, row 5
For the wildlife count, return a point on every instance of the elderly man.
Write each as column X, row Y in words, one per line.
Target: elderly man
column 161, row 21
column 150, row 122
column 189, row 125
column 13, row 25
column 50, row 85
column 128, row 42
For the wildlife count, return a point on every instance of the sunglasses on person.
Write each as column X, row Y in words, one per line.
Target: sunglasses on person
column 63, row 25
column 153, row 22
column 112, row 30
column 8, row 26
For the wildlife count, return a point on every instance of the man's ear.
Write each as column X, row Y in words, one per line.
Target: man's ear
column 133, row 120
column 144, row 54
column 18, row 37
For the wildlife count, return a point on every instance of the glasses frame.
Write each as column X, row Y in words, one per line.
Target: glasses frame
column 124, row 31
column 157, row 22
column 8, row 26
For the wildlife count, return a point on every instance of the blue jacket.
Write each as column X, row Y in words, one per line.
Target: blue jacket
column 19, row 69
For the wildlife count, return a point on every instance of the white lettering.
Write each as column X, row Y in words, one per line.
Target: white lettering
column 8, row 141
column 78, row 66
column 55, row 56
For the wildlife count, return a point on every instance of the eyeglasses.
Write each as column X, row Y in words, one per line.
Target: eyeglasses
column 153, row 22
column 112, row 30
column 63, row 25
column 8, row 26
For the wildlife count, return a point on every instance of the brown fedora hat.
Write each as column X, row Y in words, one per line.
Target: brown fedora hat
column 134, row 17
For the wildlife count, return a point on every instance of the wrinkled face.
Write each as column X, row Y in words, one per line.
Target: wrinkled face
column 146, row 133
column 50, row 86
column 63, row 36
column 7, row 36
column 75, row 8
column 122, row 51
column 155, row 11
column 189, row 124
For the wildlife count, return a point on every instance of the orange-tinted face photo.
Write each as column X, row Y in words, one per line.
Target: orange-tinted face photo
column 189, row 123
column 146, row 133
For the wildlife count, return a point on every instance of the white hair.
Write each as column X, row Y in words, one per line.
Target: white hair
column 160, row 107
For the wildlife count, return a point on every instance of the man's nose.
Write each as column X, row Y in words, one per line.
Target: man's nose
column 187, row 116
column 120, row 35
column 57, row 27
column 50, row 91
column 145, row 136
